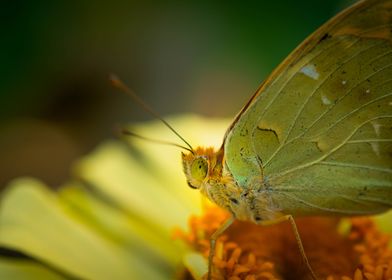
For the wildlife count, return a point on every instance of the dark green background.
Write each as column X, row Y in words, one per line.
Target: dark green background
column 180, row 56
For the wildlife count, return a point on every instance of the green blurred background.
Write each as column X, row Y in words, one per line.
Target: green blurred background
column 180, row 56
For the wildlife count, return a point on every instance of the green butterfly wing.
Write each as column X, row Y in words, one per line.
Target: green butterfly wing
column 317, row 135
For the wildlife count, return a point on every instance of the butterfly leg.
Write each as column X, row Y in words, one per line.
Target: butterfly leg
column 300, row 245
column 297, row 237
column 213, row 239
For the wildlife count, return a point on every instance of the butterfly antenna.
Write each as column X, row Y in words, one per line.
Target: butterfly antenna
column 133, row 134
column 116, row 82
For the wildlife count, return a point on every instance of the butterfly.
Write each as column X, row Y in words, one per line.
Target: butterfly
column 316, row 137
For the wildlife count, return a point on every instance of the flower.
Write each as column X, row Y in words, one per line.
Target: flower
column 116, row 218
column 248, row 251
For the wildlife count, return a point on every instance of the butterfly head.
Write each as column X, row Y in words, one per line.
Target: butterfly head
column 201, row 166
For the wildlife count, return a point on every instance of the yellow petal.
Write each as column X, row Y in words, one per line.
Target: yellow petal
column 121, row 228
column 123, row 179
column 384, row 221
column 26, row 270
column 32, row 221
column 196, row 264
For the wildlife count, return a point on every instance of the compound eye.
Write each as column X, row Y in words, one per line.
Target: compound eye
column 199, row 168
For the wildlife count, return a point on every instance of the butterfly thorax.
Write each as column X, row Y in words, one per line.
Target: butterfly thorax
column 205, row 170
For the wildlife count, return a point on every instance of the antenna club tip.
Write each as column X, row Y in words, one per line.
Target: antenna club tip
column 118, row 130
column 114, row 79
column 125, row 131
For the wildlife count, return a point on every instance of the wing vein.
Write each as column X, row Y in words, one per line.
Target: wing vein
column 329, row 109
column 325, row 112
column 382, row 26
column 351, row 165
column 322, row 83
column 368, row 141
column 280, row 174
column 332, row 210
column 345, row 95
column 291, row 77
column 358, row 109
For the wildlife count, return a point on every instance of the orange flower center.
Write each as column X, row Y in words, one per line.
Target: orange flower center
column 248, row 251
